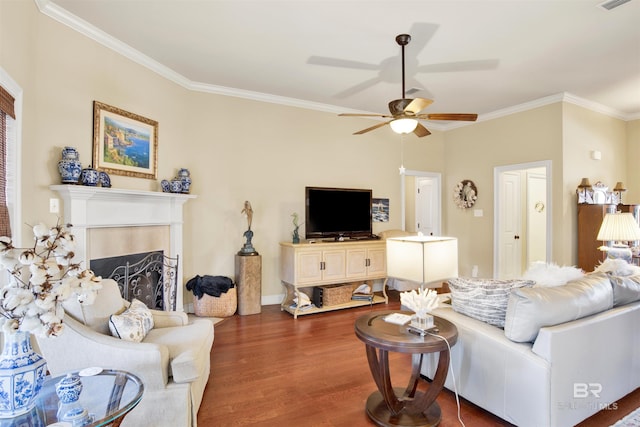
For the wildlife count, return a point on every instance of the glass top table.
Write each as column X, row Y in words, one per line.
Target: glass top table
column 107, row 396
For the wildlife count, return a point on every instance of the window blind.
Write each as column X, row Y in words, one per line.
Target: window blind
column 6, row 110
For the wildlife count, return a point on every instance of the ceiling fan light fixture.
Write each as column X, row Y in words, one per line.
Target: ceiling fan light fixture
column 404, row 125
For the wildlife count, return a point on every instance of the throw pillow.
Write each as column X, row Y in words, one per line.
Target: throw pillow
column 626, row 289
column 548, row 275
column 531, row 309
column 483, row 299
column 133, row 324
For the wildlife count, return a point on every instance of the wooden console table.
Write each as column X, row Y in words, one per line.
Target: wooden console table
column 306, row 265
column 391, row 406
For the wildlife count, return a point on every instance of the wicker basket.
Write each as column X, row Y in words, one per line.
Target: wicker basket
column 223, row 306
column 336, row 294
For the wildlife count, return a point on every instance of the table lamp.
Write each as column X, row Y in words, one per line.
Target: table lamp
column 422, row 259
column 618, row 227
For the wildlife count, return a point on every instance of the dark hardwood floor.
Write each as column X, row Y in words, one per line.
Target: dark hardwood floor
column 268, row 369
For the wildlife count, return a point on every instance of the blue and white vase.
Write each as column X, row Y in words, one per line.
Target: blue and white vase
column 90, row 177
column 22, row 373
column 105, row 180
column 176, row 185
column 69, row 166
column 165, row 185
column 68, row 390
column 185, row 179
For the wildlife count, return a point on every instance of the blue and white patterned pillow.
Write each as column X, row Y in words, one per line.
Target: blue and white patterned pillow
column 133, row 324
column 484, row 299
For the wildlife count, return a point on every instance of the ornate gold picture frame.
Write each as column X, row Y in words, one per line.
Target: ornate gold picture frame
column 124, row 143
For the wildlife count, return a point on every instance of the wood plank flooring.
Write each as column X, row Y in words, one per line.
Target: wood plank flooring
column 268, row 369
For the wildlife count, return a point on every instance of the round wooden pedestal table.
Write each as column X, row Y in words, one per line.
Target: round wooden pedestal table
column 416, row 405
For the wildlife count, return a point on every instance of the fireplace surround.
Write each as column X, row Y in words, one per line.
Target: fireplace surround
column 109, row 222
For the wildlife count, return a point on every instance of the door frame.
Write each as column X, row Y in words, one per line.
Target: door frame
column 497, row 171
column 435, row 175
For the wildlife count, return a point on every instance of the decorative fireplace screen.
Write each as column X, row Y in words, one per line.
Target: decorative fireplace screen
column 149, row 277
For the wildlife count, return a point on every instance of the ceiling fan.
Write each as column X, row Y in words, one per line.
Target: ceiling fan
column 405, row 112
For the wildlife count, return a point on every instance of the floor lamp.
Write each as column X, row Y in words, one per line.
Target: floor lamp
column 619, row 227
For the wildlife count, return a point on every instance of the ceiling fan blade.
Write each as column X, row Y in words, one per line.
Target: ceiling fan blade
column 344, row 63
column 363, row 115
column 379, row 125
column 417, row 105
column 463, row 117
column 421, row 131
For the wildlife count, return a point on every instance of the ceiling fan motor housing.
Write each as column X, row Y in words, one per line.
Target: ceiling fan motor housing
column 397, row 106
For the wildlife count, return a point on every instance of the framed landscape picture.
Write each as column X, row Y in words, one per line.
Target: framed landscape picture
column 124, row 143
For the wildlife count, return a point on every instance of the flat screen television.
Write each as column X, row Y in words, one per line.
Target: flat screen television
column 337, row 213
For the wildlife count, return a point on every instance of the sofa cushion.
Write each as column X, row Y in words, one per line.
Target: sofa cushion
column 530, row 309
column 189, row 348
column 483, row 299
column 133, row 324
column 626, row 289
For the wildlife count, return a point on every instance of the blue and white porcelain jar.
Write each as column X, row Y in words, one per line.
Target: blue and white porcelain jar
column 90, row 177
column 22, row 373
column 185, row 179
column 105, row 180
column 176, row 185
column 69, row 166
column 68, row 390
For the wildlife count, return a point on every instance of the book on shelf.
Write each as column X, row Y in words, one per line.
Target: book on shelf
column 362, row 297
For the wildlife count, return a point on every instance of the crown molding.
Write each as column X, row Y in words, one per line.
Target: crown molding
column 63, row 16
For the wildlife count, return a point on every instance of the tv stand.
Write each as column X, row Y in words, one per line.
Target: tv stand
column 306, row 265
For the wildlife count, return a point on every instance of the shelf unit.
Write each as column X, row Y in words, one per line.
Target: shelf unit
column 590, row 218
column 306, row 265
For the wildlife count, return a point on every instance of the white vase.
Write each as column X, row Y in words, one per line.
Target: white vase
column 22, row 373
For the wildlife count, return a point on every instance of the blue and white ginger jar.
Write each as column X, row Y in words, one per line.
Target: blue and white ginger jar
column 185, row 178
column 90, row 177
column 69, row 166
column 22, row 373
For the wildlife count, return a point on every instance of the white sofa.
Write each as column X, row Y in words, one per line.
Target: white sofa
column 173, row 360
column 568, row 372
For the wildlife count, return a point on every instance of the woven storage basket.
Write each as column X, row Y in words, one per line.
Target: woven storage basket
column 336, row 294
column 223, row 306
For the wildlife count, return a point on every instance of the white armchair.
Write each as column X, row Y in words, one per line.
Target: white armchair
column 173, row 360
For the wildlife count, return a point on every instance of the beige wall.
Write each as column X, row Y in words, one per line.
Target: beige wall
column 632, row 196
column 236, row 149
column 474, row 152
column 584, row 131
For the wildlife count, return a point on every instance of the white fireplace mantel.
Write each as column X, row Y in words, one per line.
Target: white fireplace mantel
column 97, row 207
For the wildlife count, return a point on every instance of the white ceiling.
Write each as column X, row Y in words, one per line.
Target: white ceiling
column 472, row 56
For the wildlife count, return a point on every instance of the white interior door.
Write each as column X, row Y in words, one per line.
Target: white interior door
column 510, row 226
column 522, row 224
column 427, row 196
column 536, row 216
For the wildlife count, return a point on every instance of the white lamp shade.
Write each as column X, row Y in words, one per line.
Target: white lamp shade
column 619, row 227
column 422, row 259
column 403, row 125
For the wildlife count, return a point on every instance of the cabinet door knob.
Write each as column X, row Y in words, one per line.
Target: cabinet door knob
column 516, row 237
